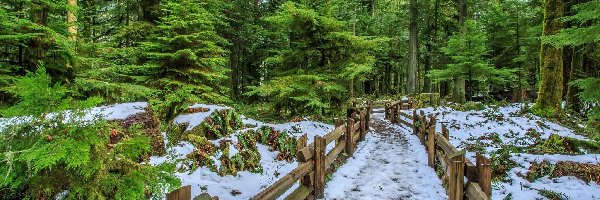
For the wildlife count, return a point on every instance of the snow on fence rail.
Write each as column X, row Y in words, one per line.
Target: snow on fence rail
column 314, row 163
column 452, row 162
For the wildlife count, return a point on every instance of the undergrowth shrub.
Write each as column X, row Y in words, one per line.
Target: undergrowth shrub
column 44, row 155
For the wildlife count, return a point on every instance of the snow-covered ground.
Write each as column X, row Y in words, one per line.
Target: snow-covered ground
column 246, row 183
column 514, row 129
column 390, row 164
column 573, row 188
column 109, row 112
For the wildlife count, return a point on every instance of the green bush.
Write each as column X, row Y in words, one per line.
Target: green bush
column 61, row 153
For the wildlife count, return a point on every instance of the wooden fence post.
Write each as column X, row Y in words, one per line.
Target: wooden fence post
column 319, row 169
column 456, row 175
column 484, row 167
column 349, row 137
column 415, row 122
column 183, row 193
column 394, row 114
column 423, row 124
column 369, row 109
column 387, row 112
column 431, row 142
column 363, row 125
column 301, row 143
column 445, row 132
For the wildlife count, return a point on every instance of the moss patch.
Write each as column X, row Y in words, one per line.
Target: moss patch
column 586, row 172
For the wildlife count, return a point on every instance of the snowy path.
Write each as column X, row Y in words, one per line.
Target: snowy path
column 390, row 164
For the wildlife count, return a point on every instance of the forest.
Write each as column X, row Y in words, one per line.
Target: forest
column 276, row 61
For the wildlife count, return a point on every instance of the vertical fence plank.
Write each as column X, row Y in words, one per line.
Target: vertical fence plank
column 415, row 122
column 431, row 142
column 485, row 174
column 319, row 167
column 445, row 132
column 349, row 137
column 456, row 174
column 369, row 109
column 387, row 111
column 183, row 193
column 363, row 125
column 301, row 143
column 394, row 114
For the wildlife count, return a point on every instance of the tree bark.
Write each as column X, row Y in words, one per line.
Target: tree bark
column 35, row 52
column 459, row 81
column 413, row 74
column 576, row 73
column 551, row 61
column 72, row 19
column 150, row 10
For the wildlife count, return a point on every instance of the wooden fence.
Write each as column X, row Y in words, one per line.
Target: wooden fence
column 314, row 162
column 445, row 157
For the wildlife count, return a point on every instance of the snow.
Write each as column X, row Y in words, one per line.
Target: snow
column 195, row 119
column 249, row 184
column 512, row 129
column 108, row 112
column 390, row 164
column 570, row 186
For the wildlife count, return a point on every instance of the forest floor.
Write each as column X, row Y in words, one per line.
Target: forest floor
column 390, row 164
column 538, row 163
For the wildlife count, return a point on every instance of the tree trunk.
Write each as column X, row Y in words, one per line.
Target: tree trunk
column 37, row 49
column 72, row 19
column 459, row 82
column 551, row 62
column 150, row 10
column 234, row 63
column 412, row 86
column 576, row 73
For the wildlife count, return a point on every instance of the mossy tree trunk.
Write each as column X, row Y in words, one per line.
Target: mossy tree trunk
column 551, row 61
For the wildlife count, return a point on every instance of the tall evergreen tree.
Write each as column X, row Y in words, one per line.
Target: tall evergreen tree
column 468, row 52
column 187, row 61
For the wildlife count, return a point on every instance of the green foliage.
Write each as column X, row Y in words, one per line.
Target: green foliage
column 501, row 163
column 467, row 51
column 565, row 145
column 44, row 155
column 539, row 170
column 299, row 94
column 38, row 96
column 552, row 195
column 580, row 33
column 314, row 59
column 188, row 56
column 590, row 94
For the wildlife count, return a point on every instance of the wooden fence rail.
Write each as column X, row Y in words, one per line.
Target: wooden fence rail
column 314, row 162
column 441, row 154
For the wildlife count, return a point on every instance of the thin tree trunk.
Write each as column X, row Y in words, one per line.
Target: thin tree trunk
column 576, row 73
column 234, row 63
column 72, row 19
column 459, row 81
column 412, row 86
column 551, row 61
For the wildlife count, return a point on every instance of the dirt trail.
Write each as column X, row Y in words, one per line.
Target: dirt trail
column 389, row 164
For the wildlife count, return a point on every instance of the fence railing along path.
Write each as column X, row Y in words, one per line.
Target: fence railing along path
column 314, row 162
column 443, row 155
